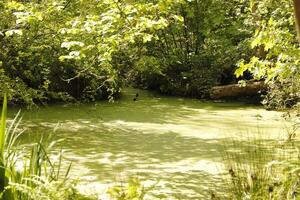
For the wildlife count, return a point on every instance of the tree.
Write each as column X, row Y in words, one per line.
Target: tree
column 279, row 64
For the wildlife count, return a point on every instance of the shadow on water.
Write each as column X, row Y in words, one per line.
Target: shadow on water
column 177, row 142
column 169, row 158
column 184, row 167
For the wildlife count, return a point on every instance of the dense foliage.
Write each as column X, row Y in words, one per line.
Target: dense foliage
column 276, row 51
column 63, row 49
column 195, row 51
column 87, row 50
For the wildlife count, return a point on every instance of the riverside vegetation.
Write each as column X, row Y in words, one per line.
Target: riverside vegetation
column 86, row 50
column 27, row 172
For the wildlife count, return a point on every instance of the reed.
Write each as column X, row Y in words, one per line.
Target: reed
column 27, row 171
column 262, row 170
column 3, row 177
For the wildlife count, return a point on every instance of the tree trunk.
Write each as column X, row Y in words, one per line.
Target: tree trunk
column 297, row 16
column 236, row 90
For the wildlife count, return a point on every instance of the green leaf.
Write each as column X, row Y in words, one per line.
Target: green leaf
column 147, row 38
column 14, row 31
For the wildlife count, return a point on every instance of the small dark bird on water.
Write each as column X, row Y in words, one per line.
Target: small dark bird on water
column 136, row 96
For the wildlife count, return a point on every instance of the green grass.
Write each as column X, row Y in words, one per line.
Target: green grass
column 27, row 171
column 3, row 178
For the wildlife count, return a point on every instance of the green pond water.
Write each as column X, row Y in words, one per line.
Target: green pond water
column 174, row 143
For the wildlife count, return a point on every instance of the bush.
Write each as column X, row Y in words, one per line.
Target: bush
column 147, row 73
column 282, row 95
column 194, row 78
column 132, row 191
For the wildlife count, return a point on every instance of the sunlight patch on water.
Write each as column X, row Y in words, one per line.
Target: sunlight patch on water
column 163, row 186
column 183, row 166
column 161, row 128
column 194, row 129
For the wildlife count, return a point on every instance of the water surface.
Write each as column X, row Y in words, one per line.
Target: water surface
column 174, row 143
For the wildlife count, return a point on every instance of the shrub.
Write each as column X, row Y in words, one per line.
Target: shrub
column 282, row 95
column 132, row 191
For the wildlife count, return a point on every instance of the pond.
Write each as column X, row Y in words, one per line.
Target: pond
column 173, row 143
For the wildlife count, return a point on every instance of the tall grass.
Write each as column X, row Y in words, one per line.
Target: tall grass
column 262, row 170
column 3, row 178
column 27, row 171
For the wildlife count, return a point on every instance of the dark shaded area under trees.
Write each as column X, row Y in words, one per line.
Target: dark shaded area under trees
column 86, row 51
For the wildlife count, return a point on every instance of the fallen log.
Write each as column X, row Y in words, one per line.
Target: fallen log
column 236, row 90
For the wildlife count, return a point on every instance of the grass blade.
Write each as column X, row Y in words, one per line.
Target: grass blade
column 2, row 141
column 2, row 129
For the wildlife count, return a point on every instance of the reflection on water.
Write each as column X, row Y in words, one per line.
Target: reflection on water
column 174, row 143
